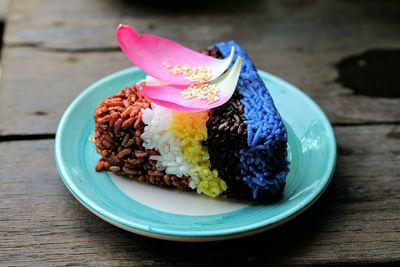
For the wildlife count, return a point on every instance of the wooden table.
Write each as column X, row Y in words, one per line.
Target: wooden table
column 53, row 49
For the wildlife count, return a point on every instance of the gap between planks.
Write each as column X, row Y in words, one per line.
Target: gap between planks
column 40, row 47
column 22, row 137
column 46, row 136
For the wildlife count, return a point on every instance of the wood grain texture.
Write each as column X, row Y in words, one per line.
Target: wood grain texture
column 55, row 49
column 41, row 88
column 355, row 221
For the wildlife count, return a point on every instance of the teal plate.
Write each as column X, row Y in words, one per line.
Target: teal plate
column 181, row 216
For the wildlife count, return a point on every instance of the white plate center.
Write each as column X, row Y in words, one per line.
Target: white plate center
column 175, row 201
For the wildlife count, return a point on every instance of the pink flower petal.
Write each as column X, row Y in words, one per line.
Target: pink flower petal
column 151, row 54
column 170, row 95
column 174, row 106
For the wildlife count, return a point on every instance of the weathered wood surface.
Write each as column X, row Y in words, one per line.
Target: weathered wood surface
column 53, row 49
column 355, row 222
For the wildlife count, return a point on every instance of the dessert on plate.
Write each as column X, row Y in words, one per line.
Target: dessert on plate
column 201, row 122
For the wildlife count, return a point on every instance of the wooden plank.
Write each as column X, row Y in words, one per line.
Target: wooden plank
column 355, row 222
column 37, row 86
column 304, row 26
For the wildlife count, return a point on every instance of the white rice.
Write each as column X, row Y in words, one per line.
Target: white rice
column 156, row 136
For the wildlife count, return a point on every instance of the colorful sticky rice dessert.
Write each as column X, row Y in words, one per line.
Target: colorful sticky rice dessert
column 193, row 124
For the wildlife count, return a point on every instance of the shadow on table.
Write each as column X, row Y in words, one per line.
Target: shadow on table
column 271, row 246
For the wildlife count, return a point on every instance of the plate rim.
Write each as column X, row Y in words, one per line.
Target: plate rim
column 167, row 234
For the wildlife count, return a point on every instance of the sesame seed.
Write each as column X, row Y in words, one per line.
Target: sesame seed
column 190, row 73
column 206, row 91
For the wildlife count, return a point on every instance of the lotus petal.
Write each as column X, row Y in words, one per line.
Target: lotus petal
column 160, row 57
column 170, row 96
column 174, row 106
